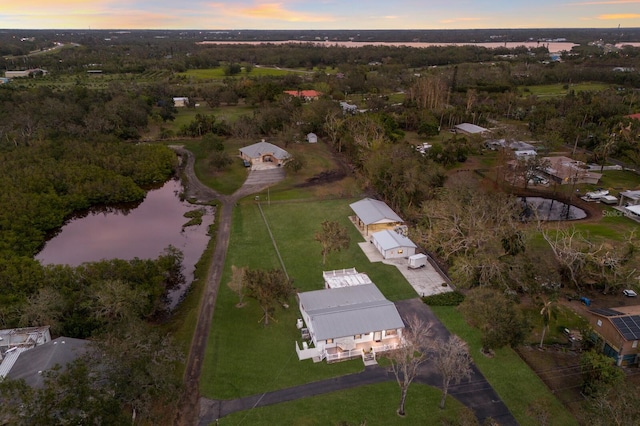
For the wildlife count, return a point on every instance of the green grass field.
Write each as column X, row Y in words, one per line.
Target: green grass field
column 546, row 90
column 373, row 405
column 517, row 385
column 244, row 357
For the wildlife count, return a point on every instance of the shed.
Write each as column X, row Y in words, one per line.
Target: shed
column 393, row 245
column 470, row 129
column 180, row 102
column 629, row 198
column 312, row 138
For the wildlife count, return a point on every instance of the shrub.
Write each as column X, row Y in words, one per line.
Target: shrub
column 451, row 298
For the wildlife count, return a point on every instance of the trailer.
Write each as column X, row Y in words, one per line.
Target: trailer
column 417, row 261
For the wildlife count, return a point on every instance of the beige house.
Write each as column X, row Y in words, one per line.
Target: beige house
column 619, row 329
column 264, row 155
column 565, row 170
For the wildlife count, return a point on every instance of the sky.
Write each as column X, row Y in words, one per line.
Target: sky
column 317, row 14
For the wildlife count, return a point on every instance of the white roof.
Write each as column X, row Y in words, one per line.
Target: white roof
column 388, row 240
column 634, row 195
column 347, row 311
column 471, row 128
column 259, row 149
column 345, row 278
column 374, row 211
column 634, row 209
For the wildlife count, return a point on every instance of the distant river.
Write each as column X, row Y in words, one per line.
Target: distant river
column 143, row 231
column 552, row 46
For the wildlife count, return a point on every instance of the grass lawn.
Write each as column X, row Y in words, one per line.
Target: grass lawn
column 560, row 90
column 373, row 404
column 244, row 357
column 517, row 385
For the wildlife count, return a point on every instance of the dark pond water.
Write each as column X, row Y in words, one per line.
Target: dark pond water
column 143, row 231
column 549, row 209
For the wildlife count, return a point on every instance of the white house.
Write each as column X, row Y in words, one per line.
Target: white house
column 629, row 198
column 348, row 322
column 374, row 215
column 392, row 245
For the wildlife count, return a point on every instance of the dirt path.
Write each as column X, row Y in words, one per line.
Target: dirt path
column 188, row 410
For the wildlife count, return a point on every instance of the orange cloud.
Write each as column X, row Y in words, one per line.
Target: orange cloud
column 277, row 12
column 620, row 16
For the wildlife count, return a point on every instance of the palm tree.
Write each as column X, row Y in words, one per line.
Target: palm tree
column 548, row 312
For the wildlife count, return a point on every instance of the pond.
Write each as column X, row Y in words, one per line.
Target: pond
column 549, row 209
column 142, row 231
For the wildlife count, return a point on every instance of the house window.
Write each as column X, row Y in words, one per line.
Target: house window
column 358, row 336
column 393, row 332
column 634, row 344
column 329, row 341
column 399, row 251
column 599, row 322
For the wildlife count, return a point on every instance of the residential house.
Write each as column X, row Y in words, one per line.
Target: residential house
column 565, row 170
column 392, row 244
column 306, row 95
column 17, row 340
column 348, row 108
column 374, row 215
column 348, row 322
column 470, row 129
column 30, row 364
column 180, row 102
column 619, row 332
column 629, row 198
column 264, row 155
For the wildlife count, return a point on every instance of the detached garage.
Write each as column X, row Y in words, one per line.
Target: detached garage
column 393, row 245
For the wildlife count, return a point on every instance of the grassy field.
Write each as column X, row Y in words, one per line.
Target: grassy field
column 218, row 73
column 517, row 385
column 372, row 405
column 244, row 357
column 561, row 89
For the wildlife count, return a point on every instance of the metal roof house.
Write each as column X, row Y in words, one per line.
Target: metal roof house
column 629, row 198
column 565, row 170
column 470, row 129
column 374, row 215
column 391, row 244
column 348, row 322
column 14, row 341
column 619, row 329
column 264, row 155
column 32, row 363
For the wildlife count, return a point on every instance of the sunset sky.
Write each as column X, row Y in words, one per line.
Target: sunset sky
column 317, row 14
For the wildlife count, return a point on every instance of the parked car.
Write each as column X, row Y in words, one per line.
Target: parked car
column 629, row 293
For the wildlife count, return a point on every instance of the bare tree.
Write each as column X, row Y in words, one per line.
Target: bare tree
column 237, row 283
column 548, row 312
column 453, row 361
column 406, row 359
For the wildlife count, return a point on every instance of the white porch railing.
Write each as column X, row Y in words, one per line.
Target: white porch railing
column 352, row 353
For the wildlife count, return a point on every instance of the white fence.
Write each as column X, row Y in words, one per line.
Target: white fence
column 307, row 353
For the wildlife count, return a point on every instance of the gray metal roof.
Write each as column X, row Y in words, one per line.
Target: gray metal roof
column 374, row 211
column 261, row 148
column 388, row 240
column 470, row 128
column 60, row 351
column 347, row 311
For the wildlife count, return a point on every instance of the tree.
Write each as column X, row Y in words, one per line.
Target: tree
column 237, row 283
column 296, row 163
column 599, row 373
column 269, row 287
column 548, row 312
column 618, row 406
column 453, row 361
column 499, row 320
column 332, row 237
column 406, row 359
